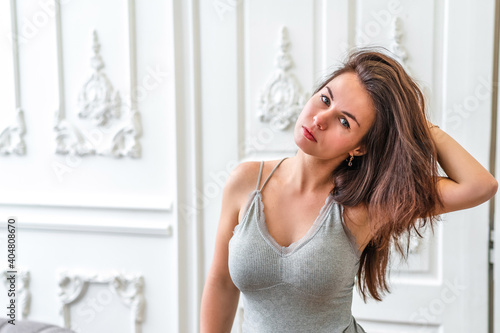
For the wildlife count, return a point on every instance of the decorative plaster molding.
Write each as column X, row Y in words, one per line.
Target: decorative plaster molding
column 166, row 231
column 128, row 287
column 282, row 98
column 396, row 46
column 126, row 141
column 118, row 124
column 69, row 139
column 12, row 137
column 23, row 293
column 98, row 99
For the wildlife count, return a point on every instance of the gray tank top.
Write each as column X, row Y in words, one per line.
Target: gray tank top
column 304, row 287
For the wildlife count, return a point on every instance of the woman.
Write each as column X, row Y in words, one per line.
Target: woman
column 365, row 145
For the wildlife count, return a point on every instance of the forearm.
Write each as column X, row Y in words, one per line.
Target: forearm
column 218, row 307
column 472, row 183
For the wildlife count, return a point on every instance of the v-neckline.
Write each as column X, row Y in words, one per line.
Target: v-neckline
column 288, row 250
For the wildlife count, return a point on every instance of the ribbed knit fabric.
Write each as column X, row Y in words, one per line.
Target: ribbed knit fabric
column 304, row 287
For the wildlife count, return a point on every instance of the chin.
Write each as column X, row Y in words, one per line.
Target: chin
column 302, row 145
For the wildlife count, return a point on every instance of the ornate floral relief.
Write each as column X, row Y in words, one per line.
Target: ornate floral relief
column 117, row 125
column 69, row 139
column 396, row 46
column 23, row 293
column 282, row 99
column 128, row 287
column 98, row 100
column 11, row 138
column 125, row 142
column 131, row 293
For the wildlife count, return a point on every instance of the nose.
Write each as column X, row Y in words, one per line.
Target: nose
column 320, row 120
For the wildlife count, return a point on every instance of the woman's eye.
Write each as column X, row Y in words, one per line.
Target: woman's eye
column 325, row 100
column 345, row 123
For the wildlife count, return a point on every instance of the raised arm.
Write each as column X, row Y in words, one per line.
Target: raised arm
column 220, row 296
column 468, row 183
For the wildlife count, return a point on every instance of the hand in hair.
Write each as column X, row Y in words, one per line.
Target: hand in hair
column 468, row 183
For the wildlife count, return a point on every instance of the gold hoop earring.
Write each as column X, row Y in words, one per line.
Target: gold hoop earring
column 350, row 160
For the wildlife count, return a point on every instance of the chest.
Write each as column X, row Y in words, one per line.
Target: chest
column 322, row 263
column 288, row 218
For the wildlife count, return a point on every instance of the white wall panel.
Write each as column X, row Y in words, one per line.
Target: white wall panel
column 46, row 252
column 143, row 183
column 98, row 213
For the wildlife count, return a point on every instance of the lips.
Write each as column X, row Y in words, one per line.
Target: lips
column 307, row 133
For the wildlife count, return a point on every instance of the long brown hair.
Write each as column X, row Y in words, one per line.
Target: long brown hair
column 396, row 178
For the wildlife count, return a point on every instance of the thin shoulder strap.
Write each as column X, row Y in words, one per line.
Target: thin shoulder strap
column 260, row 174
column 277, row 165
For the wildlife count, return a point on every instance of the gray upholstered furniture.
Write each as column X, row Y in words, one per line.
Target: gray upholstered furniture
column 28, row 326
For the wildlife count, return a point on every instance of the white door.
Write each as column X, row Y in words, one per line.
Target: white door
column 246, row 51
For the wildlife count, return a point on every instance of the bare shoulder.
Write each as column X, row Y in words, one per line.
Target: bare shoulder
column 240, row 183
column 244, row 176
column 242, row 179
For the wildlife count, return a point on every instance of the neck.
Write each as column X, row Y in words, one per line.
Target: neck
column 310, row 174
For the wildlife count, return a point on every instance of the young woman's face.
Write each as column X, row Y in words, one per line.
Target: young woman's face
column 335, row 119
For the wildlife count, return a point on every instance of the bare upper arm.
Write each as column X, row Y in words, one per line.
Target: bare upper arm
column 456, row 196
column 239, row 184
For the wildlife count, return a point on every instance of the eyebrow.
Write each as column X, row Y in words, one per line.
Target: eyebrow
column 350, row 115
